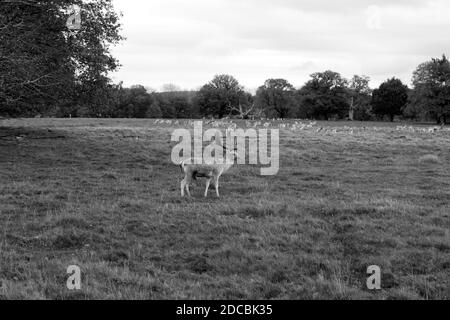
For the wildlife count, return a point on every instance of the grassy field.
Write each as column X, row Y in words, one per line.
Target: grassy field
column 104, row 195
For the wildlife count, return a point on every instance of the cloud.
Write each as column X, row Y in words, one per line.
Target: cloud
column 188, row 42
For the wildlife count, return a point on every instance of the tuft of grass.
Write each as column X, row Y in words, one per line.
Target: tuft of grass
column 430, row 158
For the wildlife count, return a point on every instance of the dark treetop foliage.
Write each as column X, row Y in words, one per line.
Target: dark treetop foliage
column 390, row 98
column 431, row 93
column 43, row 65
column 173, row 104
column 325, row 96
column 276, row 98
column 220, row 96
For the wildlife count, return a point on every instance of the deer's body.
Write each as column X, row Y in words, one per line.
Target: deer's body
column 212, row 173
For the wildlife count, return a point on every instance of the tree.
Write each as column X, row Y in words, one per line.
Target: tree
column 167, row 108
column 182, row 107
column 176, row 104
column 131, row 102
column 220, row 96
column 154, row 111
column 360, row 97
column 139, row 101
column 390, row 98
column 325, row 96
column 431, row 89
column 276, row 98
column 43, row 64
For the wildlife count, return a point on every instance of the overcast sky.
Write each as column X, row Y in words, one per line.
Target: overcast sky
column 187, row 42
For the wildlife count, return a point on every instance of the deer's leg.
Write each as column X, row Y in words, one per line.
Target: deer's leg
column 188, row 190
column 188, row 182
column 216, row 184
column 208, row 182
column 183, row 186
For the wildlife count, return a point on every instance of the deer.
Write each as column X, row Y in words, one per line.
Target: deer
column 212, row 172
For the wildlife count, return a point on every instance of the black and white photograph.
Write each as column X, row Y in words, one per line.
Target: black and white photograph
column 224, row 155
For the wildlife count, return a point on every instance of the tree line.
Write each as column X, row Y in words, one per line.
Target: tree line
column 326, row 96
column 45, row 69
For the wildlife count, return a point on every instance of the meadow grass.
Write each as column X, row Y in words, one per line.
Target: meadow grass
column 104, row 195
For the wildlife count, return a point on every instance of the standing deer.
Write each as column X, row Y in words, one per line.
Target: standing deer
column 212, row 172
